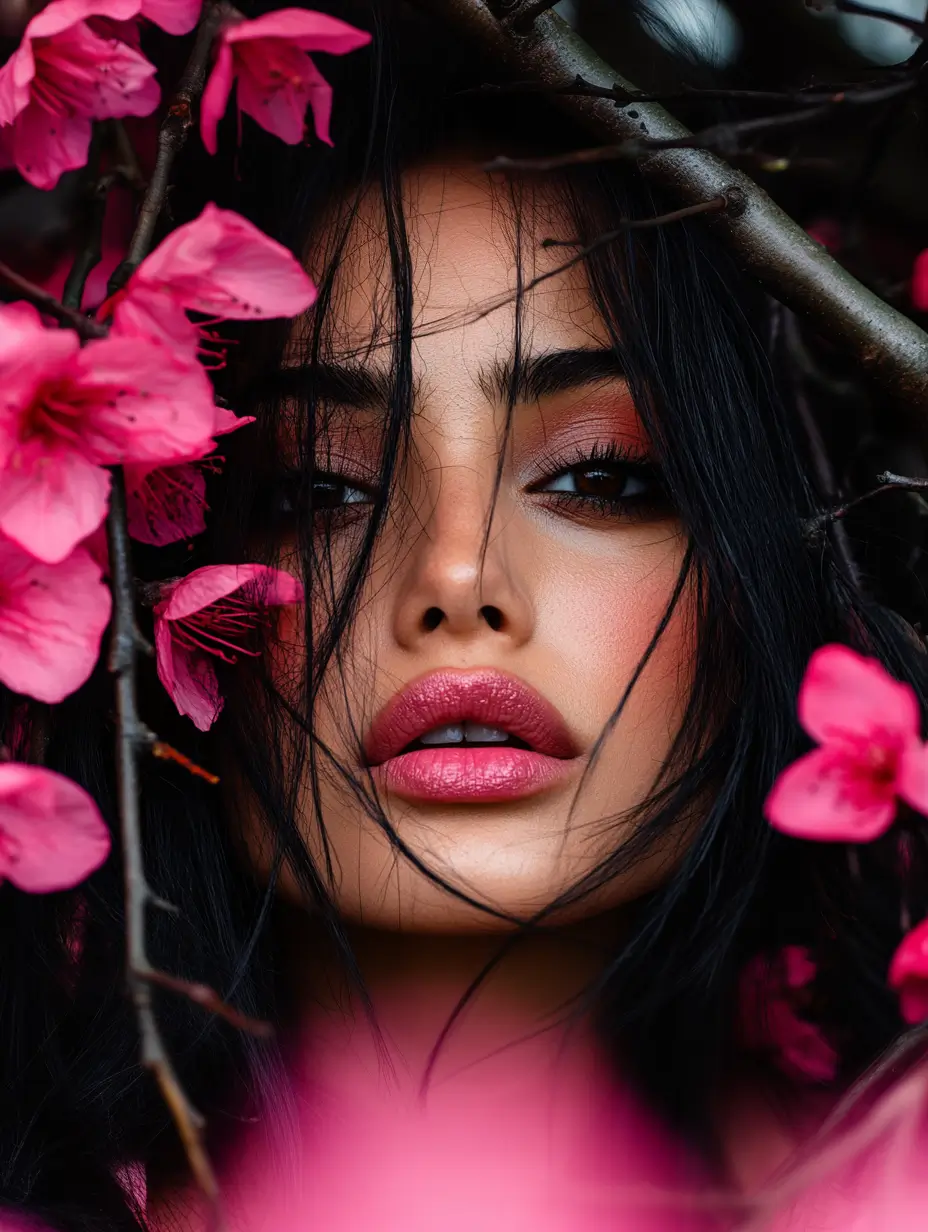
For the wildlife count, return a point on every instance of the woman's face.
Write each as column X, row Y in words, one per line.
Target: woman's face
column 520, row 575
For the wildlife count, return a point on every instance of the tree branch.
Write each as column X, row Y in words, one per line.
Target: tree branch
column 132, row 738
column 172, row 137
column 52, row 307
column 887, row 481
column 767, row 243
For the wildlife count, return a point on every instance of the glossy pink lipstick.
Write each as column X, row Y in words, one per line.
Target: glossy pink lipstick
column 458, row 737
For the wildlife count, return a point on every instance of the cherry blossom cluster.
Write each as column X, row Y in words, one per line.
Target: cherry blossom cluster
column 137, row 397
column 870, row 762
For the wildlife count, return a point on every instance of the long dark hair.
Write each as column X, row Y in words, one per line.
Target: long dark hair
column 700, row 348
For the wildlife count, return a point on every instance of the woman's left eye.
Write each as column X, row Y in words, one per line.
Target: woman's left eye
column 608, row 483
column 331, row 492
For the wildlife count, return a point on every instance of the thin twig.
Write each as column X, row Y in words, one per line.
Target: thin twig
column 51, row 306
column 715, row 206
column 90, row 252
column 888, row 482
column 209, row 999
column 765, row 241
column 132, row 737
column 172, row 137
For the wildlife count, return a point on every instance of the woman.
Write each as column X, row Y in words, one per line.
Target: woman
column 489, row 845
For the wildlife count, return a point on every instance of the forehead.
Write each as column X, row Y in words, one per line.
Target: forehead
column 471, row 240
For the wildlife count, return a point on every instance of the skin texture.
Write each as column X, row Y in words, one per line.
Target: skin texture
column 576, row 594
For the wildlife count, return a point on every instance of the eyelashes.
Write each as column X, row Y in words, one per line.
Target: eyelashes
column 605, row 480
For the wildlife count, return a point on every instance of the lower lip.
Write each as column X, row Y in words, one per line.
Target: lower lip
column 471, row 775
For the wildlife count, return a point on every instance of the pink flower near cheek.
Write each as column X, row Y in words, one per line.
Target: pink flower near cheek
column 871, row 754
column 52, row 619
column 51, row 833
column 64, row 75
column 213, row 614
column 276, row 79
column 908, row 974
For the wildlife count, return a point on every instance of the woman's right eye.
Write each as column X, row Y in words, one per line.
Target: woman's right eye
column 329, row 492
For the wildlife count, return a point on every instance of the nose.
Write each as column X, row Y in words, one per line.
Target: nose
column 459, row 583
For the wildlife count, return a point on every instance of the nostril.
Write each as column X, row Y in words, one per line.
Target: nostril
column 432, row 619
column 493, row 616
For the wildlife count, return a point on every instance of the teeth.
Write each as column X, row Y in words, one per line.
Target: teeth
column 476, row 733
column 452, row 734
column 460, row 733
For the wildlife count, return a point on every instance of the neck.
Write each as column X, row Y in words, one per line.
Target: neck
column 522, row 1013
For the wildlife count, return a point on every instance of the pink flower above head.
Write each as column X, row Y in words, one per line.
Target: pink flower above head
column 772, row 996
column 67, row 412
column 51, row 833
column 920, row 282
column 871, row 754
column 64, row 75
column 52, row 618
column 221, row 265
column 908, row 974
column 276, row 78
column 213, row 613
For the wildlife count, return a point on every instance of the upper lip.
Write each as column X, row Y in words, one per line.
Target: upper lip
column 482, row 695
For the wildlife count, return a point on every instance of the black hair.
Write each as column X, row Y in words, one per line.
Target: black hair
column 699, row 344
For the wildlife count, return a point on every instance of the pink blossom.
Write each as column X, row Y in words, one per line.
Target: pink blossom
column 870, row 755
column 219, row 264
column 920, row 282
column 213, row 612
column 52, row 618
column 174, row 16
column 168, row 503
column 276, row 78
column 51, row 833
column 64, row 75
column 908, row 974
column 772, row 995
column 67, row 412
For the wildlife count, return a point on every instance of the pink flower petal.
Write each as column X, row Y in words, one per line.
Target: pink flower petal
column 52, row 618
column 215, row 97
column 190, row 679
column 51, row 833
column 174, row 16
column 222, row 265
column 167, row 504
column 912, row 775
column 844, row 695
column 821, row 796
column 908, row 974
column 50, row 508
column 303, row 28
column 159, row 412
column 44, row 147
column 770, row 1015
column 204, row 586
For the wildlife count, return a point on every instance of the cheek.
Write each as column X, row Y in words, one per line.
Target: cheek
column 602, row 612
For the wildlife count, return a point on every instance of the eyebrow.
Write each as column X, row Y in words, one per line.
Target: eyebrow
column 552, row 372
column 355, row 385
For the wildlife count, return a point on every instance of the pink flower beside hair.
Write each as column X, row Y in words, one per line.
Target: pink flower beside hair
column 772, row 995
column 871, row 754
column 51, row 833
column 64, row 75
column 52, row 618
column 67, row 412
column 908, row 974
column 221, row 265
column 213, row 613
column 276, row 78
